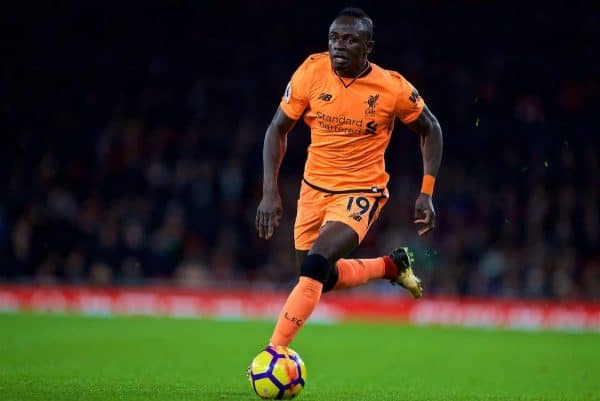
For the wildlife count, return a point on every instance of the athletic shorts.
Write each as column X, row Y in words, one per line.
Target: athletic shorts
column 315, row 207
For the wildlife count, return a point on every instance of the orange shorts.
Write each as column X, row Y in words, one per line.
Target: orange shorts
column 315, row 208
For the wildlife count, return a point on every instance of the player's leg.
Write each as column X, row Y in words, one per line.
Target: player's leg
column 335, row 240
column 300, row 255
column 359, row 213
column 397, row 267
column 355, row 272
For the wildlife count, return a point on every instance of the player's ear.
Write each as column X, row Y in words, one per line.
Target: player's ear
column 370, row 44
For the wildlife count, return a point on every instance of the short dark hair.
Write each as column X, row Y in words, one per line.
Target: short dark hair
column 361, row 15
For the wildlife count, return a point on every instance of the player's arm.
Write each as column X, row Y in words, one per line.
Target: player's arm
column 269, row 210
column 432, row 143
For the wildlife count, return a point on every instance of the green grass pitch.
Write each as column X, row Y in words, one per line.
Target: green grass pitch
column 62, row 357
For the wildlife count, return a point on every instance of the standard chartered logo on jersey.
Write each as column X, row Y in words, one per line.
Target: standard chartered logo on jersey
column 342, row 124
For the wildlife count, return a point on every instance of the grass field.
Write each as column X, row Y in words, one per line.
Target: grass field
column 50, row 357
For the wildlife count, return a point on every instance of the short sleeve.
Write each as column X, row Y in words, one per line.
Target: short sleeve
column 295, row 99
column 409, row 104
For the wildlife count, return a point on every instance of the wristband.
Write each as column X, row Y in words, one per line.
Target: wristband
column 428, row 184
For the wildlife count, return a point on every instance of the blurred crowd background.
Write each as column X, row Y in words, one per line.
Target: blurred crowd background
column 132, row 147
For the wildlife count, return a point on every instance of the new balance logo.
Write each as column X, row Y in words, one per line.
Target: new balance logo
column 356, row 216
column 325, row 96
column 371, row 128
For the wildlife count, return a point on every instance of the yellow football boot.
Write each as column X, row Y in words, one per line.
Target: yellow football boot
column 404, row 258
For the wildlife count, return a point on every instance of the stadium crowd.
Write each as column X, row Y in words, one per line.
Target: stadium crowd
column 133, row 150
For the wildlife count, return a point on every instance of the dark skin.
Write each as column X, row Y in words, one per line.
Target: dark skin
column 349, row 46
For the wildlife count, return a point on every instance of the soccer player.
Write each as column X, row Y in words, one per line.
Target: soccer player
column 350, row 104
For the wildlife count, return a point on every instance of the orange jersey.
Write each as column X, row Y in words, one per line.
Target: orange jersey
column 351, row 122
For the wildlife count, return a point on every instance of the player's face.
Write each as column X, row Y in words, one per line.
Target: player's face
column 349, row 45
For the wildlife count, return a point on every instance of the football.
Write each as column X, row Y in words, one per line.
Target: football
column 277, row 373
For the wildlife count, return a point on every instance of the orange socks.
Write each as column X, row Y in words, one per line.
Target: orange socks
column 355, row 272
column 305, row 296
column 300, row 304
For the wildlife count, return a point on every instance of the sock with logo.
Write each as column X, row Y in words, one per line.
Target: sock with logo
column 300, row 304
column 355, row 272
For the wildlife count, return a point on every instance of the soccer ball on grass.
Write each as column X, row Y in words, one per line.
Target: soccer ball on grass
column 277, row 373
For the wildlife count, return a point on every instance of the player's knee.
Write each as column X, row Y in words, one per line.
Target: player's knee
column 316, row 267
column 332, row 280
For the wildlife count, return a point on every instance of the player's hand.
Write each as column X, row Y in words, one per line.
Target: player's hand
column 424, row 214
column 268, row 215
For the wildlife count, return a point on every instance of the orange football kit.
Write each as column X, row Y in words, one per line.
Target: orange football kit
column 351, row 121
